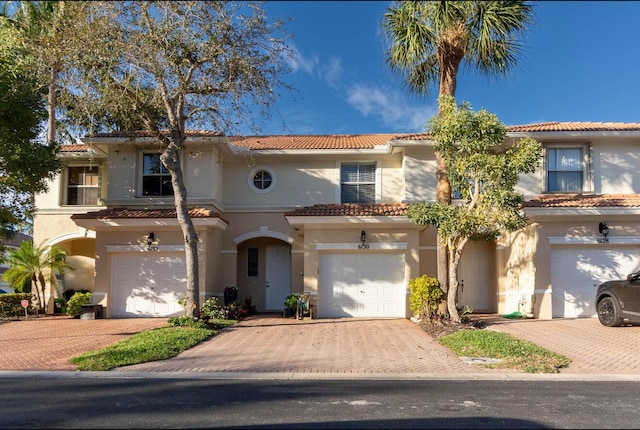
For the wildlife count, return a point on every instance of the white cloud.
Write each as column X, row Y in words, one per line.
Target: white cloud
column 300, row 62
column 391, row 107
column 332, row 72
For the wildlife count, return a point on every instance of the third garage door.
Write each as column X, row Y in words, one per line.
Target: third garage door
column 577, row 271
column 362, row 284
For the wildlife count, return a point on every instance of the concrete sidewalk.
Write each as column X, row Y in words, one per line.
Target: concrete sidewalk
column 348, row 347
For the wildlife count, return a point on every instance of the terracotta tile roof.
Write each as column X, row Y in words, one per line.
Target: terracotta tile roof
column 74, row 148
column 352, row 209
column 120, row 213
column 584, row 201
column 413, row 136
column 575, row 126
column 144, row 133
column 336, row 141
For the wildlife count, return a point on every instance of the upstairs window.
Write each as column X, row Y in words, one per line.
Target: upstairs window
column 156, row 180
column 358, row 183
column 262, row 179
column 565, row 169
column 83, row 185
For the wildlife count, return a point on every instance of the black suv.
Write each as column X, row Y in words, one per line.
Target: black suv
column 619, row 300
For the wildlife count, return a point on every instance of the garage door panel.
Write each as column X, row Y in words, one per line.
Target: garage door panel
column 147, row 285
column 577, row 271
column 362, row 285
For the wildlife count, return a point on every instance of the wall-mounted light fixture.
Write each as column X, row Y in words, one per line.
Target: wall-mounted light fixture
column 151, row 242
column 604, row 231
column 363, row 240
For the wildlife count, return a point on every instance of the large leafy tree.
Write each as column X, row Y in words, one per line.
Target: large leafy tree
column 485, row 170
column 430, row 40
column 46, row 30
column 164, row 67
column 26, row 164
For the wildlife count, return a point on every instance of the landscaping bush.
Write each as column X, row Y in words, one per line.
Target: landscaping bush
column 10, row 304
column 211, row 310
column 426, row 297
column 74, row 304
column 67, row 294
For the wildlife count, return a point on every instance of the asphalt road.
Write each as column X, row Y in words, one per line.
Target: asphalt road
column 74, row 401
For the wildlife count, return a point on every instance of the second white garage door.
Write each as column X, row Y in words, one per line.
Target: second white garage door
column 577, row 271
column 362, row 284
column 147, row 284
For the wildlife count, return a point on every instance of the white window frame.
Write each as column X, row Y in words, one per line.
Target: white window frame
column 254, row 171
column 141, row 175
column 586, row 185
column 377, row 180
column 67, row 185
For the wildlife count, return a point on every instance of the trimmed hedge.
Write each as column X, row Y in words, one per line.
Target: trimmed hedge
column 10, row 304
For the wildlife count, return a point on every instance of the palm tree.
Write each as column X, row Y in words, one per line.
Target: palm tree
column 38, row 265
column 430, row 40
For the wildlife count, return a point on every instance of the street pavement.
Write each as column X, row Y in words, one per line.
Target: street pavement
column 269, row 346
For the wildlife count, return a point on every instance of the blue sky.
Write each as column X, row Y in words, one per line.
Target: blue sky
column 580, row 63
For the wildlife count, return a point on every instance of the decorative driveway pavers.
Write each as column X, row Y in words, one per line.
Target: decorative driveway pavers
column 47, row 343
column 349, row 347
column 326, row 346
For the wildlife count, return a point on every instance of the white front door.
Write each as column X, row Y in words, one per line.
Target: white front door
column 576, row 273
column 472, row 276
column 278, row 276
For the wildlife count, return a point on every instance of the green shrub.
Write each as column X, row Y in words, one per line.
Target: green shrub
column 212, row 310
column 74, row 305
column 186, row 321
column 426, row 296
column 291, row 301
column 67, row 294
column 10, row 304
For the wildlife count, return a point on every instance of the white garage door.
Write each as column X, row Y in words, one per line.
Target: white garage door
column 362, row 284
column 147, row 284
column 577, row 271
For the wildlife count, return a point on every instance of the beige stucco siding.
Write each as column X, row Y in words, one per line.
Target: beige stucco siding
column 419, row 176
column 616, row 169
column 303, row 181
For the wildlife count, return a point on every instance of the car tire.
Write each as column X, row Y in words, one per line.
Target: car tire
column 609, row 312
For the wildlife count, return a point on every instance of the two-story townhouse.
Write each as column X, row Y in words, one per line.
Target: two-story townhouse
column 326, row 214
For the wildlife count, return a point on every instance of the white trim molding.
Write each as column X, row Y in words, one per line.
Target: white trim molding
column 82, row 234
column 263, row 232
column 593, row 240
column 143, row 248
column 379, row 246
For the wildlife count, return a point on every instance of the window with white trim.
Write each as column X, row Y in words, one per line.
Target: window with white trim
column 156, row 179
column 566, row 169
column 262, row 179
column 83, row 185
column 358, row 183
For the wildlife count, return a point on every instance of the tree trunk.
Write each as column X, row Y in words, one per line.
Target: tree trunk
column 448, row 79
column 171, row 159
column 34, row 284
column 453, row 285
column 455, row 255
column 52, row 100
column 40, row 286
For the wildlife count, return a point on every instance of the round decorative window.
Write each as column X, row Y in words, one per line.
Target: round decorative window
column 262, row 179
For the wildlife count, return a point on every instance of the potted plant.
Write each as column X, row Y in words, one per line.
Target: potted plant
column 290, row 304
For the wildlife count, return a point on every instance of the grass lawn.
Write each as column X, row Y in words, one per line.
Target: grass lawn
column 152, row 345
column 515, row 353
